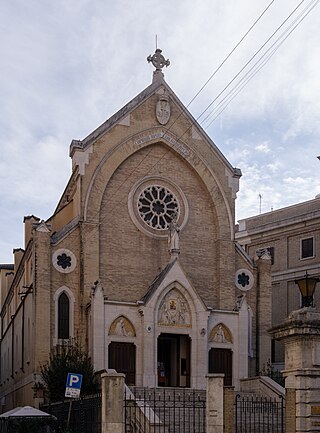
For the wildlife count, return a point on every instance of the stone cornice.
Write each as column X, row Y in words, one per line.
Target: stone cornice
column 305, row 321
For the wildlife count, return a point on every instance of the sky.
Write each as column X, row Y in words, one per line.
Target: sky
column 67, row 66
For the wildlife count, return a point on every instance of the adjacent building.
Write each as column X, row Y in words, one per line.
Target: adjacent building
column 292, row 236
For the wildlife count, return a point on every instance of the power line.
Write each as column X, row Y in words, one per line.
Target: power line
column 222, row 63
column 259, row 64
column 201, row 89
column 242, row 69
column 231, row 52
column 167, row 151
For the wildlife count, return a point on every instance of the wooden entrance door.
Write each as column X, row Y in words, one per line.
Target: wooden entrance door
column 220, row 361
column 122, row 358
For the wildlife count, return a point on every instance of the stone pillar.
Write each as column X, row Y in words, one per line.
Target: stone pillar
column 290, row 421
column 214, row 409
column 41, row 295
column 263, row 312
column 97, row 331
column 228, row 409
column 301, row 335
column 112, row 393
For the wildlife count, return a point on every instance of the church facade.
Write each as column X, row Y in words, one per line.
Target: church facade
column 139, row 260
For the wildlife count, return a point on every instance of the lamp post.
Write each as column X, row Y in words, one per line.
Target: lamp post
column 307, row 287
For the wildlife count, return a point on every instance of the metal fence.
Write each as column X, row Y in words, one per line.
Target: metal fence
column 165, row 410
column 84, row 414
column 255, row 414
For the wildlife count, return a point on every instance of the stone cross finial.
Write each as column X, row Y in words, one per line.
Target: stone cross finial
column 158, row 60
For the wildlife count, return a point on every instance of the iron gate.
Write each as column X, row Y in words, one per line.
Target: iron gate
column 164, row 410
column 255, row 414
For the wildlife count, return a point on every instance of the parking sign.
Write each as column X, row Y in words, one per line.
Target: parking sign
column 73, row 385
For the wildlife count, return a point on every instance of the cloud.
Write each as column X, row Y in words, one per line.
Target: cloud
column 263, row 147
column 68, row 66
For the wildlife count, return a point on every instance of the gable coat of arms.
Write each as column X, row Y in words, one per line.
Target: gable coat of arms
column 163, row 110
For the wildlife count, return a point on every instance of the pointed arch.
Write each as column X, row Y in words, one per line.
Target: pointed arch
column 122, row 327
column 220, row 333
column 174, row 309
column 63, row 316
column 132, row 144
column 250, row 337
column 64, row 313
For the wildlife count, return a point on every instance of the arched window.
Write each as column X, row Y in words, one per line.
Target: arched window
column 63, row 316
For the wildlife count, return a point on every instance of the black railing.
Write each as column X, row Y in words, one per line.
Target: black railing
column 29, row 425
column 165, row 410
column 85, row 414
column 255, row 414
column 276, row 375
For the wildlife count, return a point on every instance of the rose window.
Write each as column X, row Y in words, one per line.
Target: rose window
column 243, row 279
column 64, row 261
column 157, row 206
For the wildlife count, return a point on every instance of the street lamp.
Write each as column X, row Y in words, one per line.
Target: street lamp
column 307, row 287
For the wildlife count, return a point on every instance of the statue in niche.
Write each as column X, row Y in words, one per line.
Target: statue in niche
column 220, row 334
column 173, row 237
column 220, row 337
column 174, row 310
column 122, row 328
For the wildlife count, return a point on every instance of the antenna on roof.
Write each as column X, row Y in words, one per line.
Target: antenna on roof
column 260, row 200
column 156, row 41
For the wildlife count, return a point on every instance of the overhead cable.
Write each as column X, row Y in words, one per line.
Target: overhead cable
column 222, row 63
column 244, row 67
column 263, row 60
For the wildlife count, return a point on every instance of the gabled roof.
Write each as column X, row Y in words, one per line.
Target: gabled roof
column 113, row 120
column 173, row 273
column 157, row 281
column 244, row 254
column 133, row 104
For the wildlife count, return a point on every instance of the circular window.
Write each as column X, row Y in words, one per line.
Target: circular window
column 153, row 202
column 244, row 279
column 157, row 206
column 64, row 261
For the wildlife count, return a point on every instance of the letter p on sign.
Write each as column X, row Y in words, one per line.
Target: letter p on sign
column 73, row 385
column 73, row 380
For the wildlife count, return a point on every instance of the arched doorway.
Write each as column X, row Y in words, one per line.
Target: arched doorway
column 173, row 360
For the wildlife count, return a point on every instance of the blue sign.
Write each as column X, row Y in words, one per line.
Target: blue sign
column 73, row 385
